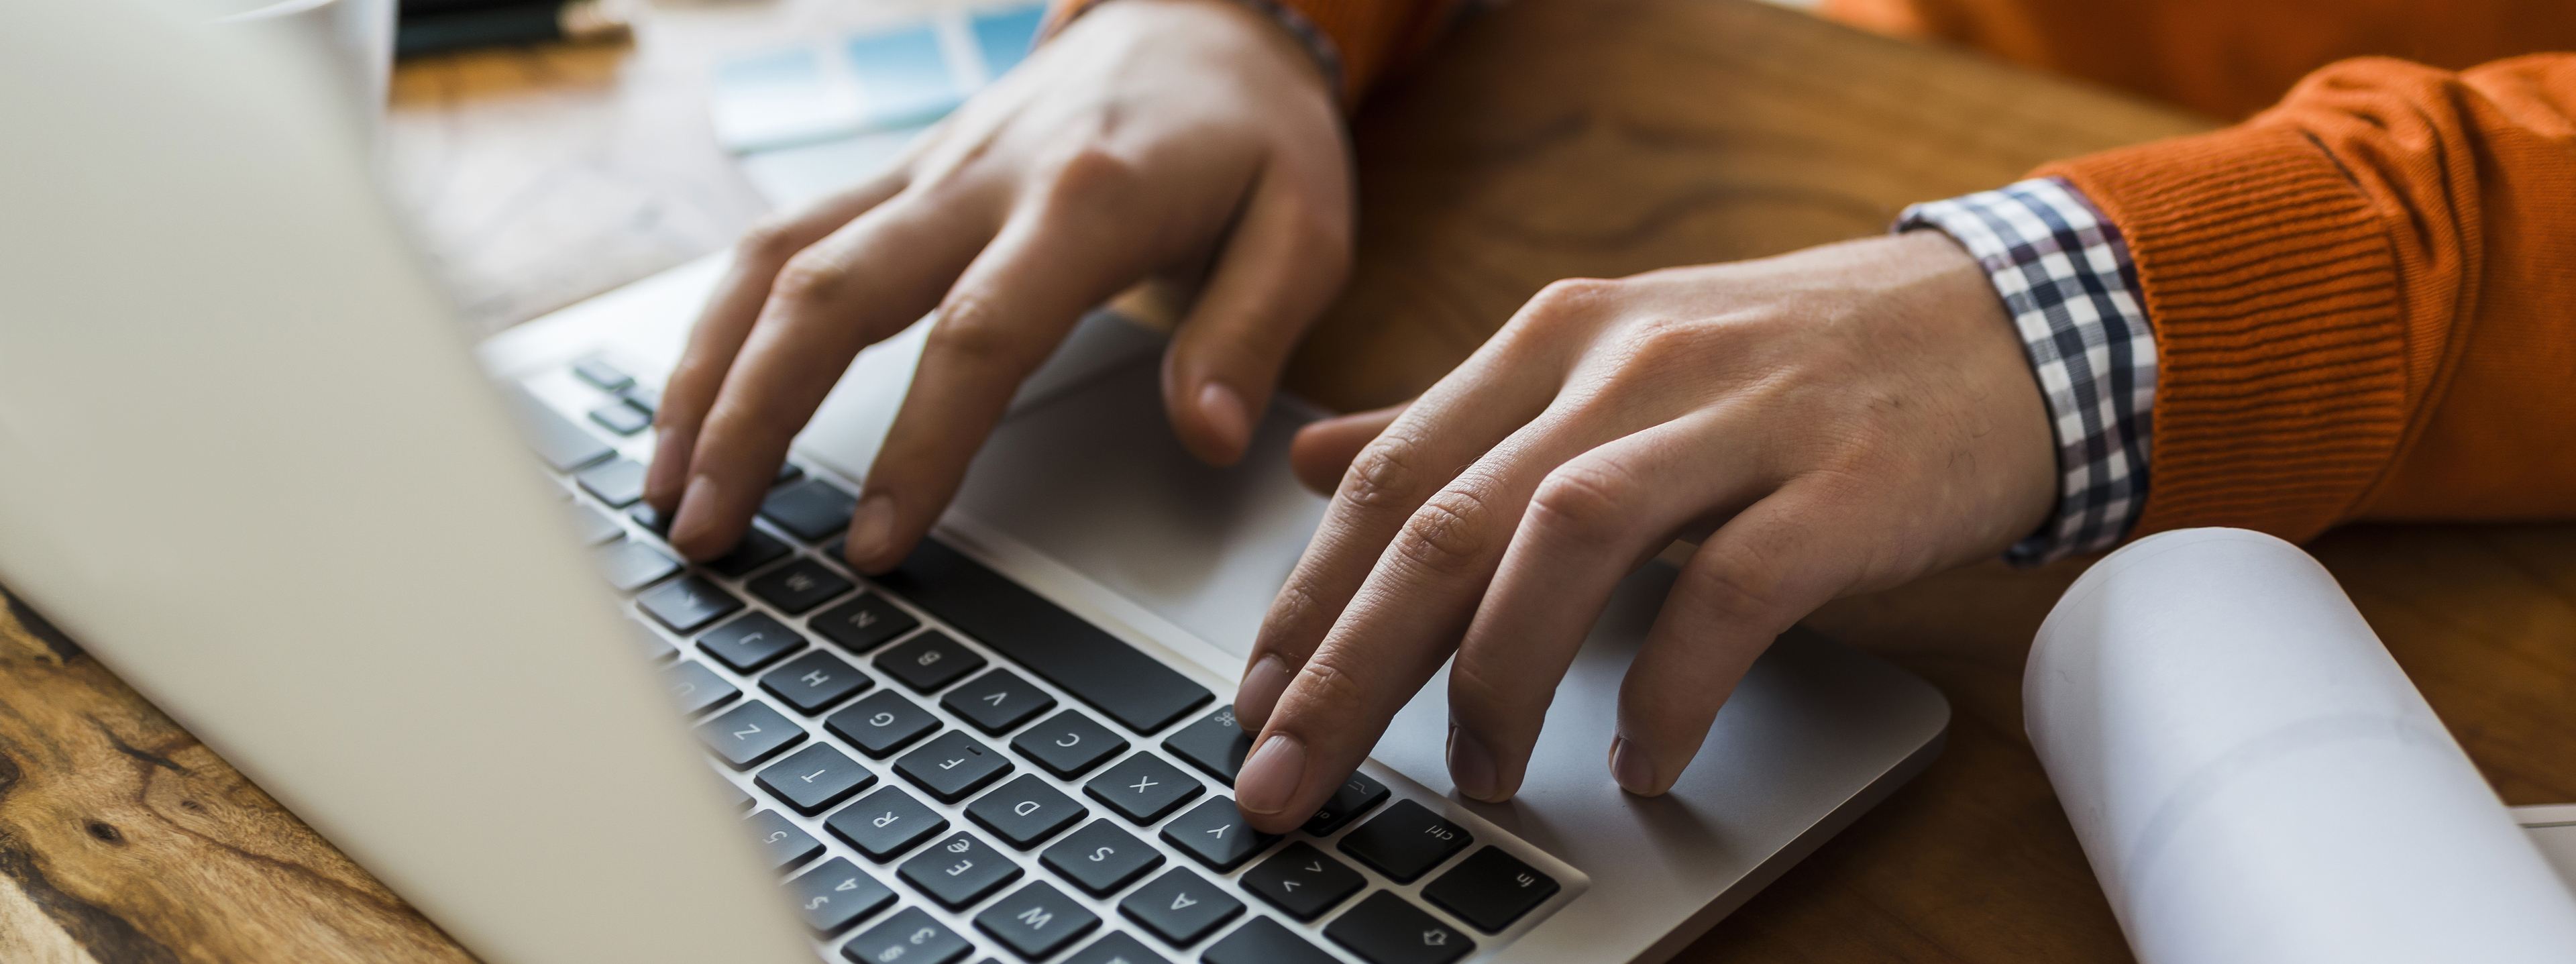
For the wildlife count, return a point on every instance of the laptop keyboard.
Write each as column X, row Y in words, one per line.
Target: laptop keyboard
column 944, row 765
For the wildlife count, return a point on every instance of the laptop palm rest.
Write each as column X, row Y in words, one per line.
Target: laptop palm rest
column 1093, row 478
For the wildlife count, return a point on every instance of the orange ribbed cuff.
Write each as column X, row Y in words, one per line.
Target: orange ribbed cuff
column 2273, row 291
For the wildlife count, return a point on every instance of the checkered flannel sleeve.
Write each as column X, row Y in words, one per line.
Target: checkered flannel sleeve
column 2066, row 278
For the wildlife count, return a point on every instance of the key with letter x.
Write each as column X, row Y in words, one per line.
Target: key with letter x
column 1143, row 788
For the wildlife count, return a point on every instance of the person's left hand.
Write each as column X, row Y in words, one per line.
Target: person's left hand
column 1838, row 420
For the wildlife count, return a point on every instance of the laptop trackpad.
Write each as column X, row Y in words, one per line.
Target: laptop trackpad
column 1095, row 479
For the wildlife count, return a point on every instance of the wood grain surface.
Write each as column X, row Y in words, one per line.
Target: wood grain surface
column 1555, row 138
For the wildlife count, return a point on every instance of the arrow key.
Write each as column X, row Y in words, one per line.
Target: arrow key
column 1303, row 882
column 1385, row 930
column 1180, row 906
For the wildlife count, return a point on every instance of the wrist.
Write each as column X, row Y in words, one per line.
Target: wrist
column 1276, row 32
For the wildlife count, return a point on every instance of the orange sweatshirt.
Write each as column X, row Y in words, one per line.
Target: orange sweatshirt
column 2364, row 297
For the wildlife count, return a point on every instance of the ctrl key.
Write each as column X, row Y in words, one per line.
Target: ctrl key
column 910, row 937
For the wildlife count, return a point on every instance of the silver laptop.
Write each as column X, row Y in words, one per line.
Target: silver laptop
column 245, row 460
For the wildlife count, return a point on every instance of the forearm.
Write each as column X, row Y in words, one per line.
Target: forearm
column 2360, row 302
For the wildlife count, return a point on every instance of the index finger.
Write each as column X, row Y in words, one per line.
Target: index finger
column 1048, row 265
column 726, row 322
column 866, row 281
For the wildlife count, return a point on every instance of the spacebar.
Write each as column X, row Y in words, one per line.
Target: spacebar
column 1094, row 666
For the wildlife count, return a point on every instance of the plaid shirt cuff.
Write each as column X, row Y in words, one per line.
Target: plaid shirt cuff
column 2065, row 276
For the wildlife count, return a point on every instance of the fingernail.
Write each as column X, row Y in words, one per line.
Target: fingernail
column 1470, row 765
column 1629, row 766
column 870, row 525
column 1269, row 777
column 1226, row 413
column 1259, row 692
column 697, row 510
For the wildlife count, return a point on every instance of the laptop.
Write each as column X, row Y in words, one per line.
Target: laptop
column 404, row 585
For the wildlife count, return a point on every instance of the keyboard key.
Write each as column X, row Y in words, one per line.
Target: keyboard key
column 748, row 734
column 1068, row 744
column 1214, row 744
column 754, row 550
column 929, row 661
column 687, row 603
column 622, row 417
column 1359, row 794
column 811, row 683
column 747, row 644
column 1117, row 948
column 1214, row 832
column 815, row 778
column 959, row 871
column 645, row 397
column 1265, row 941
column 881, row 724
column 1101, row 859
column 602, row 375
column 1143, row 788
column 785, row 844
column 1303, row 882
column 1405, row 841
column 952, row 765
column 1025, row 812
column 864, row 623
column 562, row 445
column 629, row 565
column 910, row 937
column 650, row 518
column 1385, row 930
column 998, row 702
column 696, row 688
column 618, row 482
column 592, row 526
column 885, row 823
column 787, row 472
column 799, row 586
column 1132, row 688
column 740, row 800
column 838, row 894
column 1036, row 921
column 1490, row 889
column 1180, row 907
column 812, row 510
column 650, row 643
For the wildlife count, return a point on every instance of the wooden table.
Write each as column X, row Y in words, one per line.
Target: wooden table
column 1556, row 138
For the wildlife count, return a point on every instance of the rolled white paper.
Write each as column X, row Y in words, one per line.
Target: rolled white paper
column 2254, row 779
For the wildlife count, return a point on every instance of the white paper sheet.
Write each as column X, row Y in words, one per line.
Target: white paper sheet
column 2254, row 779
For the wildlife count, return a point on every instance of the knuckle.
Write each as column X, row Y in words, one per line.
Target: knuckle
column 1384, row 474
column 1447, row 535
column 771, row 241
column 1583, row 502
column 810, row 278
column 968, row 327
column 1090, row 174
column 1569, row 296
column 1327, row 686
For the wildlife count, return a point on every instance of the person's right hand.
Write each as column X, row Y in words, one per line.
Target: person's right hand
column 1151, row 138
